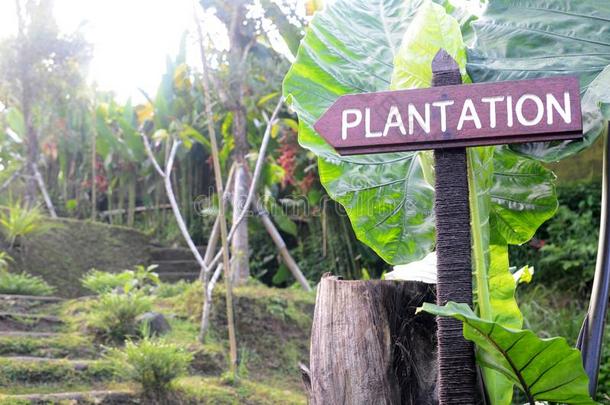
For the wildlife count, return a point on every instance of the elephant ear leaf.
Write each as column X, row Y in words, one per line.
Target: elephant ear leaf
column 524, row 39
column 544, row 369
column 385, row 196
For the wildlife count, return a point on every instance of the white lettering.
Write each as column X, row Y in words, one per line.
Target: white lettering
column 394, row 120
column 492, row 108
column 509, row 111
column 553, row 104
column 345, row 125
column 469, row 113
column 442, row 105
column 519, row 110
column 367, row 125
column 415, row 115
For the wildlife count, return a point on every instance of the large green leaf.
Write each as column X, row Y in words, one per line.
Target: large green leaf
column 521, row 39
column 431, row 30
column 349, row 47
column 523, row 196
column 544, row 369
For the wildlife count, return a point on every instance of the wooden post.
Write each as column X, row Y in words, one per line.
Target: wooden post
column 456, row 364
column 369, row 347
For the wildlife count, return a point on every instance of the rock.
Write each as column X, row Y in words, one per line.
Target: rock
column 157, row 323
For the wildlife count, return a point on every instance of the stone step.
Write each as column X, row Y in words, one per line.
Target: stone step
column 48, row 345
column 12, row 333
column 25, row 322
column 178, row 266
column 33, row 371
column 159, row 254
column 29, row 303
column 77, row 398
column 174, row 277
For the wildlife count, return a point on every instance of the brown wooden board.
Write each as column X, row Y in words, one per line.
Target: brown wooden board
column 454, row 116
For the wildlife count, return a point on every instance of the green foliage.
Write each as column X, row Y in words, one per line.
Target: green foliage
column 153, row 363
column 141, row 278
column 399, row 226
column 24, row 284
column 101, row 282
column 564, row 249
column 113, row 315
column 538, row 38
column 544, row 369
column 5, row 259
column 17, row 221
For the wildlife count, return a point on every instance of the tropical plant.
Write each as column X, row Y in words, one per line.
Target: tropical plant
column 152, row 363
column 5, row 259
column 18, row 222
column 388, row 197
column 24, row 284
column 113, row 316
column 512, row 352
column 101, row 282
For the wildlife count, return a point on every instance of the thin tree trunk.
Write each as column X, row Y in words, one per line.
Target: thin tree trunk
column 131, row 199
column 281, row 245
column 26, row 100
column 240, row 251
column 221, row 210
column 43, row 191
column 94, row 176
column 369, row 347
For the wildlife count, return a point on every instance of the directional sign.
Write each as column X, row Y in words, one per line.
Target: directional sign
column 454, row 116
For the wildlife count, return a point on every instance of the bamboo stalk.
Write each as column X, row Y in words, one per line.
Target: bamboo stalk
column 221, row 209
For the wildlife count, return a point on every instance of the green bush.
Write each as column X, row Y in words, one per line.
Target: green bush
column 23, row 284
column 113, row 315
column 141, row 278
column 153, row 363
column 101, row 282
column 564, row 249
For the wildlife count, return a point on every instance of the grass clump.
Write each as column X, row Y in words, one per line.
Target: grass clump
column 24, row 284
column 154, row 364
column 18, row 222
column 113, row 316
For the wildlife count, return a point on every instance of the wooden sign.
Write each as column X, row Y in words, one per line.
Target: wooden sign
column 454, row 116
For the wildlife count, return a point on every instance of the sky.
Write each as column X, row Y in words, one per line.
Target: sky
column 131, row 38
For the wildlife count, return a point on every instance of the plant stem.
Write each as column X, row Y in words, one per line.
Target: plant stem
column 483, row 298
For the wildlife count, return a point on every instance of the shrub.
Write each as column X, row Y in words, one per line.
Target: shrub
column 153, row 363
column 17, row 222
column 101, row 282
column 564, row 249
column 141, row 278
column 113, row 315
column 23, row 284
column 169, row 290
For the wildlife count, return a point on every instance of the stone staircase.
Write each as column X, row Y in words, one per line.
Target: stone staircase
column 38, row 353
column 175, row 264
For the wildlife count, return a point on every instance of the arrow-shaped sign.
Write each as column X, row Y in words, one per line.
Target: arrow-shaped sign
column 454, row 116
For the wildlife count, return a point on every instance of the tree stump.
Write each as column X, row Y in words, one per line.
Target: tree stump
column 369, row 347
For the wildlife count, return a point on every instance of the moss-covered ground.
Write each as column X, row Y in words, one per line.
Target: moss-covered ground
column 62, row 255
column 273, row 334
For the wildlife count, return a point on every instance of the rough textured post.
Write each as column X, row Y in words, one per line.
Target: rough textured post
column 457, row 370
column 369, row 347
